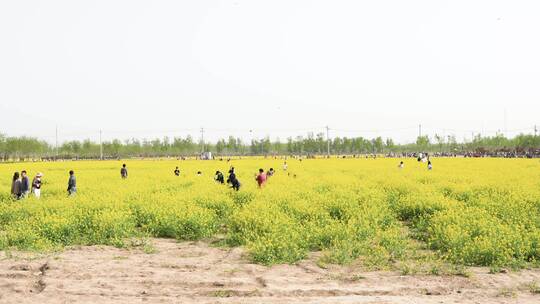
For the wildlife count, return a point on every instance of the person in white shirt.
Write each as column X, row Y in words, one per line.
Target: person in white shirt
column 36, row 185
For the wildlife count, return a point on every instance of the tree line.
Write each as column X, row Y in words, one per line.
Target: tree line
column 24, row 147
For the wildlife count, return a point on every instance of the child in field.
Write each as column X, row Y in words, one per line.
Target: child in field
column 270, row 173
column 219, row 177
column 401, row 165
column 36, row 185
column 285, row 166
column 261, row 178
column 123, row 172
column 177, row 171
column 72, row 184
column 429, row 165
column 16, row 186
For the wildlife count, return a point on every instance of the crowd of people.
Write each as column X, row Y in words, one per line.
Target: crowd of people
column 480, row 153
column 420, row 157
column 21, row 186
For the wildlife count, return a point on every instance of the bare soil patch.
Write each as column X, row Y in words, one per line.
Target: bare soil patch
column 194, row 272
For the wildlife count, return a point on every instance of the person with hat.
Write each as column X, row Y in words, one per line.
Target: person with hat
column 36, row 185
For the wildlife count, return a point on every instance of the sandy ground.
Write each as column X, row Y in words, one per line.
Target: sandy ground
column 194, row 272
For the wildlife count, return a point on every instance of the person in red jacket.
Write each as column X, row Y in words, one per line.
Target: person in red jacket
column 261, row 178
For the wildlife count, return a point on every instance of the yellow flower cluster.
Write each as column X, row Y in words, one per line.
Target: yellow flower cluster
column 469, row 211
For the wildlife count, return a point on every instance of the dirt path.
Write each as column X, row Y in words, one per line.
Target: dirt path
column 196, row 273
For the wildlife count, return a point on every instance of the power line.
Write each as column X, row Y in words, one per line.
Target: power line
column 422, row 130
column 376, row 130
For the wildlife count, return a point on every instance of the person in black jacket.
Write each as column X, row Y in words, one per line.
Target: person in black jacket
column 25, row 184
column 219, row 177
column 235, row 183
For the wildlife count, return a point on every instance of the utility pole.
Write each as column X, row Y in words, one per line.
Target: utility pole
column 505, row 123
column 202, row 140
column 535, row 130
column 483, row 134
column 420, row 130
column 328, row 141
column 56, row 144
column 251, row 147
column 100, row 146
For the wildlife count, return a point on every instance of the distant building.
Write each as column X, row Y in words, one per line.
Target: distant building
column 206, row 156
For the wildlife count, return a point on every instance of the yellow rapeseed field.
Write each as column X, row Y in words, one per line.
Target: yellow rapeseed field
column 466, row 211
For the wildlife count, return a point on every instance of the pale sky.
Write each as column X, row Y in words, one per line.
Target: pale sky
column 281, row 68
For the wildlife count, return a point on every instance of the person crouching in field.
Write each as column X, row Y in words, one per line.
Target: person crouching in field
column 429, row 165
column 261, row 178
column 401, row 165
column 36, row 185
column 16, row 186
column 177, row 171
column 235, row 183
column 123, row 172
column 72, row 184
column 25, row 184
column 270, row 173
column 219, row 177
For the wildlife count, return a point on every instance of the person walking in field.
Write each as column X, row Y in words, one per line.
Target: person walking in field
column 219, row 177
column 25, row 184
column 124, row 172
column 261, row 178
column 235, row 183
column 177, row 171
column 16, row 186
column 429, row 165
column 36, row 185
column 285, row 166
column 72, row 184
